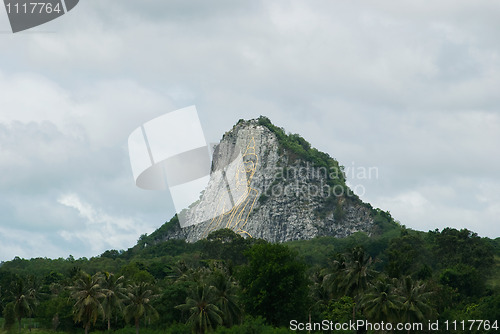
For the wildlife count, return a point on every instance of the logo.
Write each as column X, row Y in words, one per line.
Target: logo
column 170, row 152
column 26, row 14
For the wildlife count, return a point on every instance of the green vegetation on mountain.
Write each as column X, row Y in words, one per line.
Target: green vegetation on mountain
column 230, row 284
column 296, row 147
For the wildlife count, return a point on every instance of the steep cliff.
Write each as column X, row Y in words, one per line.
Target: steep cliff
column 270, row 185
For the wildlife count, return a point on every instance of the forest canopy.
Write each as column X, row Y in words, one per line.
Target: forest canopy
column 229, row 284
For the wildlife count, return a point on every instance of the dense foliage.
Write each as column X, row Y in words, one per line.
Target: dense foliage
column 296, row 147
column 228, row 284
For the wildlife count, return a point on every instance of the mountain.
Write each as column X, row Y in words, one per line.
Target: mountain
column 267, row 184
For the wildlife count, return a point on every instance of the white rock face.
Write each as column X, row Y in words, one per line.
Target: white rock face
column 257, row 191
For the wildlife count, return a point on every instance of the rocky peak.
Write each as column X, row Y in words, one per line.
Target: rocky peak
column 270, row 185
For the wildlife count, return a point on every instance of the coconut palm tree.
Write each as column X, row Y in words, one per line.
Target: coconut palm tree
column 225, row 294
column 319, row 294
column 382, row 301
column 139, row 297
column 88, row 294
column 23, row 300
column 114, row 292
column 356, row 275
column 178, row 271
column 34, row 287
column 332, row 276
column 204, row 314
column 415, row 306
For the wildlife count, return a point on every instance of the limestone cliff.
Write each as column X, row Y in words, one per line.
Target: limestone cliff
column 270, row 185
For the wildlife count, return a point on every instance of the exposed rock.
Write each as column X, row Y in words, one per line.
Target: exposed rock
column 263, row 186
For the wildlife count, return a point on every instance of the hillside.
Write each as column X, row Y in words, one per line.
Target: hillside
column 271, row 185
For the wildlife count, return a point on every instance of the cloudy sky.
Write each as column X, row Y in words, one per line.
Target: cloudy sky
column 410, row 88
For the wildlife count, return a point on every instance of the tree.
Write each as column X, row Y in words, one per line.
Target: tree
column 415, row 306
column 114, row 293
column 23, row 300
column 172, row 294
column 274, row 283
column 57, row 312
column 204, row 314
column 9, row 316
column 178, row 271
column 318, row 294
column 139, row 298
column 34, row 288
column 339, row 310
column 454, row 247
column 137, row 272
column 226, row 245
column 333, row 275
column 88, row 295
column 464, row 278
column 356, row 275
column 382, row 301
column 488, row 308
column 225, row 291
column 406, row 254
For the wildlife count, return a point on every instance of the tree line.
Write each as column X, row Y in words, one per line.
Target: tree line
column 228, row 284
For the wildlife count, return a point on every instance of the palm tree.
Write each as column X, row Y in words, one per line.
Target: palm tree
column 114, row 292
column 382, row 301
column 356, row 275
column 34, row 289
column 23, row 300
column 319, row 291
column 415, row 306
column 139, row 297
column 88, row 295
column 332, row 276
column 225, row 294
column 178, row 271
column 205, row 315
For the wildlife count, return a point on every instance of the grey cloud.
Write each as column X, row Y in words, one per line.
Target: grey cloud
column 408, row 87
